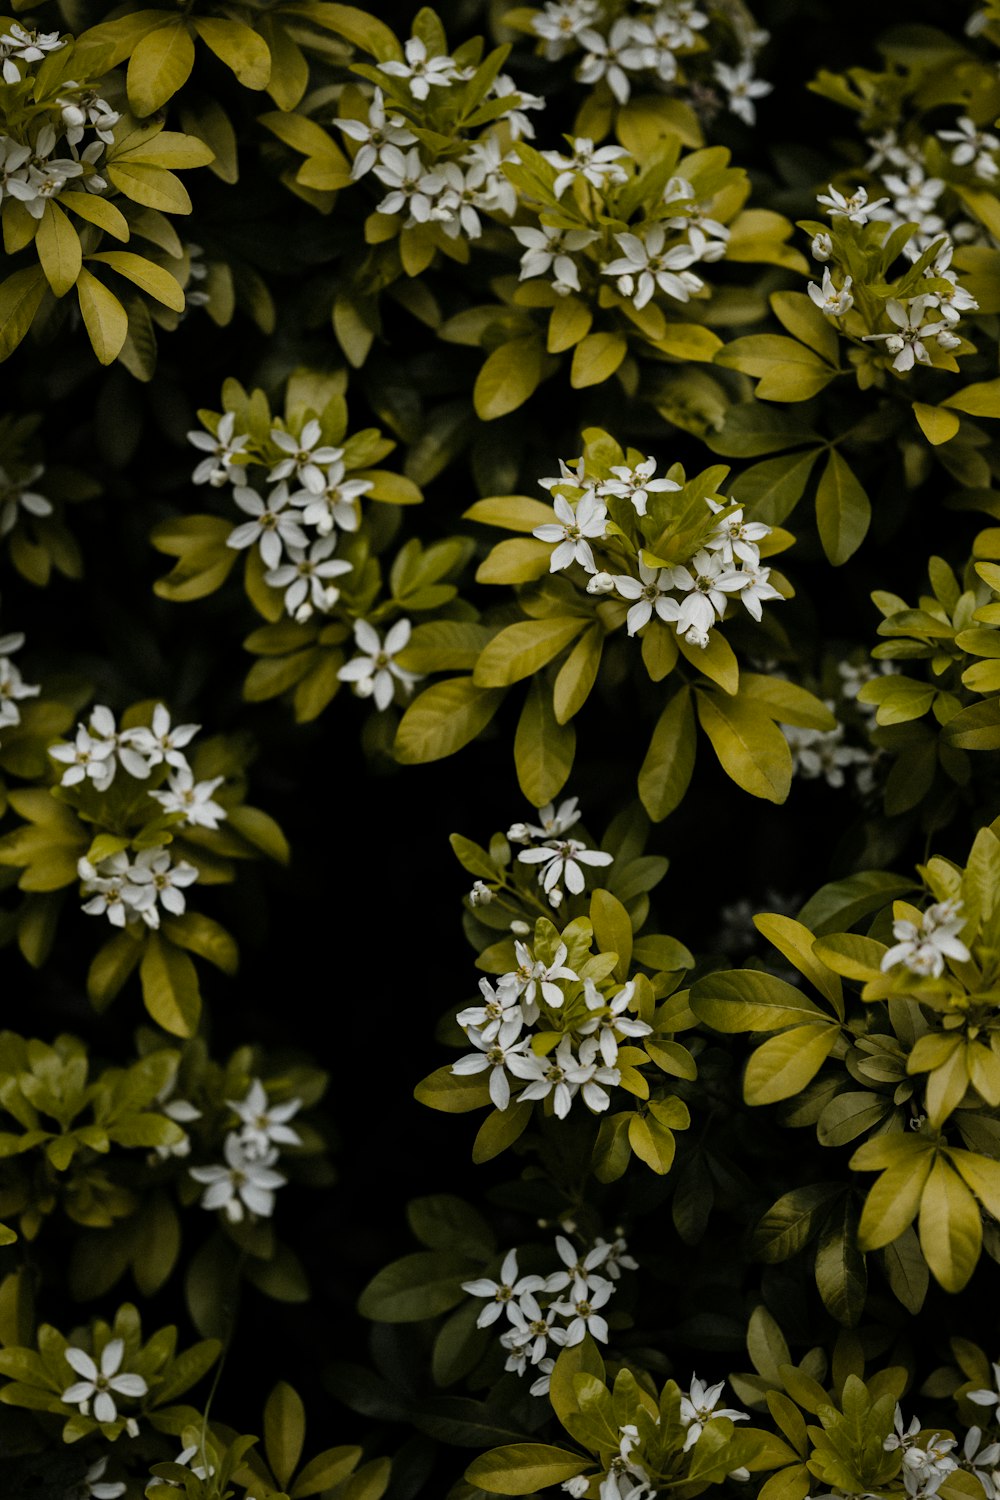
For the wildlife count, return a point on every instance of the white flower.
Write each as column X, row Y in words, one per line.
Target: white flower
column 828, row 298
column 698, row 1406
column 954, row 299
column 499, row 1018
column 264, row 1124
column 988, row 1397
column 561, row 23
column 244, row 1183
column 154, row 868
column 375, row 673
column 13, row 688
column 13, row 159
column 558, row 1074
column 193, row 799
column 335, row 503
column 601, row 583
column 552, row 822
column 855, row 207
column 272, row 526
column 646, row 265
column 577, row 1486
column 411, row 186
column 534, row 976
column 907, row 344
column 595, row 164
column 89, row 757
column 613, row 1023
column 578, row 1270
column 915, row 197
column 502, row 1294
column 15, row 497
column 94, row 1486
column 303, row 458
column 519, row 125
column 421, row 72
column 532, row 1328
column 707, row 582
column 541, row 1385
column 585, row 1316
column 636, row 484
column 561, row 860
column 820, row 752
column 649, row 591
column 222, row 446
column 304, row 578
column 573, row 530
column 624, row 50
column 551, row 249
column 495, row 1056
column 742, row 87
column 379, row 131
column 821, row 247
column 617, row 1256
column 481, row 894
column 735, row 539
column 923, row 949
column 684, row 19
column 163, row 743
column 100, row 1386
column 114, row 893
column 757, row 590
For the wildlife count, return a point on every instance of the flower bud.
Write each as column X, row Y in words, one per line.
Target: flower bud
column 519, row 928
column 601, row 583
column 518, row 833
column 480, row 895
column 822, row 246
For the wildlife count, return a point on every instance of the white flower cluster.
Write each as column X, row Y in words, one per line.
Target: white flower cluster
column 295, row 526
column 12, row 685
column 247, row 1182
column 728, row 563
column 450, row 193
column 917, row 319
column 122, row 888
column 643, row 48
column 15, row 497
column 926, row 1465
column 923, row 947
column 94, row 1394
column 558, row 858
column 584, row 1060
column 558, row 1320
column 822, row 753
column 647, row 264
column 31, row 170
column 626, row 1478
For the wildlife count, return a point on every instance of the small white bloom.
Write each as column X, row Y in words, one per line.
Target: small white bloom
column 650, row 591
column 245, row 1183
column 742, row 88
column 305, row 578
column 595, row 164
column 375, row 672
column 497, row 1058
column 192, row 798
column 264, row 1125
column 504, row 1294
column 411, row 186
column 854, row 206
column 100, row 1385
column 305, row 457
column 923, row 948
column 222, row 446
column 272, row 527
column 700, row 1405
column 420, row 72
column 636, row 484
column 498, row 1018
column 830, row 299
column 163, row 742
column 585, row 1315
column 646, row 265
column 372, row 137
column 573, row 530
column 560, row 861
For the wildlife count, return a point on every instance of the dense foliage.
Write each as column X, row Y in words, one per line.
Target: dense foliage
column 501, row 593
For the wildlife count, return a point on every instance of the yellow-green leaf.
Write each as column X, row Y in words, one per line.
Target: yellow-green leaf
column 596, row 358
column 803, row 319
column 950, row 1228
column 751, row 749
column 104, row 317
column 99, row 211
column 512, row 512
column 843, row 510
column 979, row 400
column 669, row 763
column 936, row 424
column 523, row 648
column 783, row 1065
column 146, row 275
column 893, row 1201
column 59, row 249
column 523, row 1468
column 543, row 748
column 508, row 378
column 578, row 674
column 241, row 49
column 160, row 64
column 153, row 187
column 443, row 718
column 170, row 987
column 284, row 1431
column 569, row 322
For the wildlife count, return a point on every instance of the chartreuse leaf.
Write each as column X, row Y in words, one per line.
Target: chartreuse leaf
column 782, row 1066
column 284, row 1431
column 417, row 1286
column 578, row 674
column 669, row 763
column 325, row 1470
column 596, row 358
column 792, row 1221
column 795, row 942
column 444, row 718
column 509, row 376
column 950, row 1227
column 843, row 510
column 841, row 1274
column 543, row 748
column 521, row 649
column 751, row 749
column 146, row 274
column 894, row 1198
column 979, row 400
column 937, row 425
column 239, row 47
column 20, row 297
column 511, row 512
column 802, row 318
column 785, row 369
column 59, row 249
column 523, row 1468
column 170, row 986
column 749, row 1000
column 774, row 487
column 160, row 64
column 104, row 317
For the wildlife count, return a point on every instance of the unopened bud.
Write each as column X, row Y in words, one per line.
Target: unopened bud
column 601, row 583
column 822, row 247
column 519, row 928
column 480, row 895
column 948, row 340
column 518, row 833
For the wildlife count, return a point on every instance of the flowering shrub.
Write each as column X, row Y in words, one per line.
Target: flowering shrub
column 575, row 420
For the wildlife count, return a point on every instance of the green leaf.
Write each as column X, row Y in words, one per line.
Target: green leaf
column 950, row 1227
column 669, row 763
column 772, row 489
column 20, row 297
column 790, row 1223
column 751, row 750
column 500, row 1129
column 804, row 321
column 454, row 1093
column 750, row 1000
column 782, row 1066
column 937, row 425
column 284, row 1431
column 841, row 1274
column 844, row 902
column 596, row 358
column 509, row 376
column 325, row 1470
column 443, row 1222
column 786, row 702
column 578, row 674
column 59, row 249
column 418, row 1286
column 893, row 1200
column 979, row 400
column 146, row 274
column 543, row 748
column 170, row 987
column 512, row 512
column 785, row 369
column 160, row 64
column 521, row 649
column 241, row 49
column 796, row 943
column 843, row 510
column 523, row 1468
column 104, row 317
column 443, row 718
